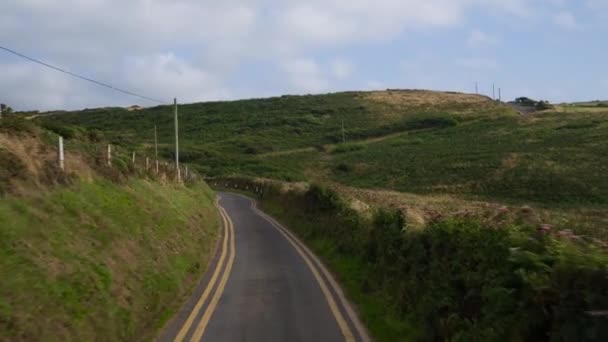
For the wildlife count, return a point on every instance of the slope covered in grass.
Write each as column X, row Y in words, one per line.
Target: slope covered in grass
column 554, row 158
column 101, row 261
column 226, row 137
column 421, row 143
column 93, row 252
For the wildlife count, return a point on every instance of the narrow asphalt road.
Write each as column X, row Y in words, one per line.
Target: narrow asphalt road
column 263, row 285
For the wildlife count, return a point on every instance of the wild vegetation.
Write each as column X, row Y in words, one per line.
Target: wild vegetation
column 93, row 252
column 458, row 279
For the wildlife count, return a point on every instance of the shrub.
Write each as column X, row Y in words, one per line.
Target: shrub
column 426, row 123
column 322, row 199
column 16, row 125
column 525, row 101
column 251, row 150
column 343, row 148
column 543, row 105
column 458, row 280
column 64, row 130
column 343, row 167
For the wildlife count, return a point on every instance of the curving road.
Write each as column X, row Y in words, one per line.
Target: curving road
column 263, row 285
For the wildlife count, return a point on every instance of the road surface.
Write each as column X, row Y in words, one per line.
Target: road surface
column 263, row 285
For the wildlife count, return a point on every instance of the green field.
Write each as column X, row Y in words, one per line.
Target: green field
column 229, row 137
column 414, row 142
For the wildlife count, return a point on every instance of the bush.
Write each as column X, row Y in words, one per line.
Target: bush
column 6, row 109
column 16, row 125
column 543, row 105
column 343, row 148
column 525, row 101
column 426, row 123
column 322, row 199
column 64, row 130
column 459, row 280
column 343, row 167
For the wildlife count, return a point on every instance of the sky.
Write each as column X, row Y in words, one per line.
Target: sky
column 199, row 50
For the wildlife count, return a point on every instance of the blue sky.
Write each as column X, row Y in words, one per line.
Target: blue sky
column 209, row 50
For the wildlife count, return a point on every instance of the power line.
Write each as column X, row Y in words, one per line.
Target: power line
column 82, row 77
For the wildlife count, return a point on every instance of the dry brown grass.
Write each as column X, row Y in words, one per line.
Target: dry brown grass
column 423, row 97
column 393, row 105
column 38, row 165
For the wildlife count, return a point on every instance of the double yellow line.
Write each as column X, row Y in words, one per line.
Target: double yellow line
column 228, row 251
column 316, row 267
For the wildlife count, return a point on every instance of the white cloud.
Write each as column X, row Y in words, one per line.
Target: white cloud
column 194, row 84
column 477, row 63
column 566, row 20
column 305, row 75
column 375, row 85
column 479, row 38
column 193, row 49
column 341, row 68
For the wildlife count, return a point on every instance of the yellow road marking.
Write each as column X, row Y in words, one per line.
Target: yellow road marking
column 346, row 332
column 349, row 310
column 200, row 329
column 186, row 327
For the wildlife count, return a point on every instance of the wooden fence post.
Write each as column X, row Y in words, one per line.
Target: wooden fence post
column 147, row 163
column 60, row 154
column 133, row 158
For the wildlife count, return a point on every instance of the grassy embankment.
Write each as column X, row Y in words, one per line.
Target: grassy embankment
column 93, row 253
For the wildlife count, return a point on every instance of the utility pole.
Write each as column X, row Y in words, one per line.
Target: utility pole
column 476, row 88
column 155, row 151
column 499, row 94
column 177, row 170
column 343, row 135
column 493, row 92
column 155, row 143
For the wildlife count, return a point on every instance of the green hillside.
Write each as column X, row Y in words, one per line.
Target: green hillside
column 421, row 143
column 226, row 137
column 434, row 142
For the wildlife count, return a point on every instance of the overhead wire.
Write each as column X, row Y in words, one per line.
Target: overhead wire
column 82, row 77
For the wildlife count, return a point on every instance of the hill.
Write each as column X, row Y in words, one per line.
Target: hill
column 224, row 137
column 463, row 148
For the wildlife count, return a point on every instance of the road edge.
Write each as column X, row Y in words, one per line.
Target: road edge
column 349, row 308
column 189, row 301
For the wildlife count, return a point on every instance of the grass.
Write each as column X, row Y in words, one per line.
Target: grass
column 456, row 279
column 221, row 138
column 100, row 261
column 553, row 158
column 414, row 142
